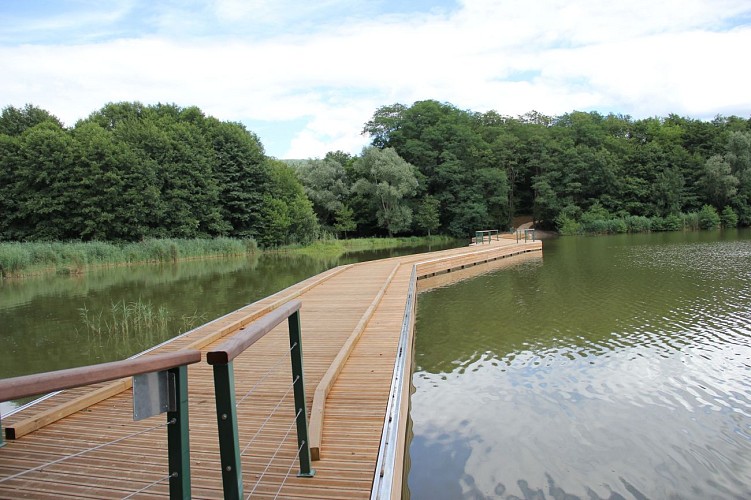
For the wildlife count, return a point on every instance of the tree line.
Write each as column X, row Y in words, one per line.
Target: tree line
column 130, row 172
column 481, row 169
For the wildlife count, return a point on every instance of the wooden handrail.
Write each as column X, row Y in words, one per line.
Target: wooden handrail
column 42, row 383
column 233, row 347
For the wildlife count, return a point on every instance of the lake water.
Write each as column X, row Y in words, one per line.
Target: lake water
column 613, row 367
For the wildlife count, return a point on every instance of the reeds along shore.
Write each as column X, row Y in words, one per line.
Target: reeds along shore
column 19, row 259
column 32, row 258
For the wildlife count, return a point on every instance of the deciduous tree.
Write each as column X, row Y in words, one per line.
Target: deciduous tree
column 389, row 180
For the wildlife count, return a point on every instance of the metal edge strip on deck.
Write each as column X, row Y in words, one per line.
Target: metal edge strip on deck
column 387, row 451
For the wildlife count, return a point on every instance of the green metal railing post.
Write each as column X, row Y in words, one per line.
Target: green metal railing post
column 178, row 441
column 2, row 441
column 229, row 449
column 303, row 442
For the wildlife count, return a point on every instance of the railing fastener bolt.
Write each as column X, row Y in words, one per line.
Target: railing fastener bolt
column 224, row 416
column 228, row 468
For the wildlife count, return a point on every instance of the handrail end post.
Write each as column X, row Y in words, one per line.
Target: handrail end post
column 229, row 447
column 178, row 439
column 2, row 440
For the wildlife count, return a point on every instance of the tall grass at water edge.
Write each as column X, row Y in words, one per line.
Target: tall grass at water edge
column 22, row 259
column 18, row 259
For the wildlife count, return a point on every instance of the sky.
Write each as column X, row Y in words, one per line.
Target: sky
column 306, row 76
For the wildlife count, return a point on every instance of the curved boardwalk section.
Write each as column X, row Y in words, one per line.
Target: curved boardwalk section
column 352, row 317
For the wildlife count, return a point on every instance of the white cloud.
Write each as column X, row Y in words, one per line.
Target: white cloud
column 85, row 20
column 336, row 128
column 638, row 58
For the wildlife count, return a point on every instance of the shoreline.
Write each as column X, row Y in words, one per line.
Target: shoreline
column 69, row 258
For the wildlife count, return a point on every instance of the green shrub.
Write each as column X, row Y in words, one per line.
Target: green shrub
column 595, row 213
column 728, row 217
column 691, row 221
column 673, row 222
column 670, row 223
column 617, row 226
column 657, row 223
column 567, row 226
column 708, row 217
column 595, row 226
column 638, row 224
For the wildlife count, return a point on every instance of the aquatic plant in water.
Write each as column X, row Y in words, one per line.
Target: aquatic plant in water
column 137, row 318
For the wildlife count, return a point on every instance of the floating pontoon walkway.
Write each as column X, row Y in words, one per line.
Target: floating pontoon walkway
column 356, row 328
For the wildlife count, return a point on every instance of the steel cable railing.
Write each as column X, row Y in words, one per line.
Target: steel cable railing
column 266, row 375
column 276, row 452
column 289, row 471
column 174, row 368
column 221, row 360
column 150, row 485
column 82, row 452
column 269, row 416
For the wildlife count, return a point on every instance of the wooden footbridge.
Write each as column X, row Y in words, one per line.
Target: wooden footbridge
column 235, row 424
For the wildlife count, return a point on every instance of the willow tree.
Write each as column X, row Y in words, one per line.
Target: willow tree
column 389, row 181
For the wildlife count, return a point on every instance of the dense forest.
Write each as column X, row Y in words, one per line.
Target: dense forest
column 130, row 172
column 483, row 168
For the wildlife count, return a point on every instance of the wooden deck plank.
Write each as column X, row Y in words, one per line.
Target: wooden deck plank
column 333, row 305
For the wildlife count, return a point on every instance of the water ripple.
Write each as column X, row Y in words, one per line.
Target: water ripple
column 633, row 370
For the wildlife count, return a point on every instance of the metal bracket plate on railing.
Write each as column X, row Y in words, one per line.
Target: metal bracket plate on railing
column 153, row 394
